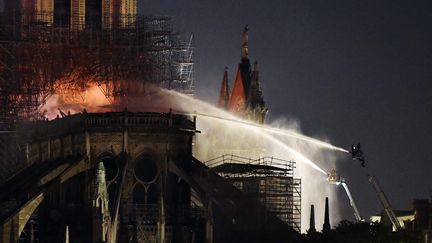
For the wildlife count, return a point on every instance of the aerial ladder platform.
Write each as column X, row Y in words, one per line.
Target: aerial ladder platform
column 337, row 180
column 357, row 154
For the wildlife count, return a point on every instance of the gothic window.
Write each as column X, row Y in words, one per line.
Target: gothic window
column 146, row 170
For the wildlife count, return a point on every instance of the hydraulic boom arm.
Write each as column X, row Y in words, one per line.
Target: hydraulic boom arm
column 352, row 203
column 335, row 179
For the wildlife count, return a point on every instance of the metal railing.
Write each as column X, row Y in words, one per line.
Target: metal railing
column 287, row 165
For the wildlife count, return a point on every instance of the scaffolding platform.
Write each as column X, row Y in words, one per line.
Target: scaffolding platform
column 269, row 179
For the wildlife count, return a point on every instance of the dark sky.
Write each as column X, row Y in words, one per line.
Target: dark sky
column 347, row 70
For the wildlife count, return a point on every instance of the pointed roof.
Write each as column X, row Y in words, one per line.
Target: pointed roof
column 237, row 103
column 224, row 91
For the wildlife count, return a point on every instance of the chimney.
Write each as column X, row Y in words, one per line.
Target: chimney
column 326, row 225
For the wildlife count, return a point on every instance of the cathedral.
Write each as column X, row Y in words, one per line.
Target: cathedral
column 122, row 176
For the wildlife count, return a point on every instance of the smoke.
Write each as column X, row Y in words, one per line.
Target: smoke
column 92, row 98
column 71, row 101
column 228, row 136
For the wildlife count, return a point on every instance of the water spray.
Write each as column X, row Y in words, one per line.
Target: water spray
column 294, row 152
column 289, row 149
column 274, row 130
column 228, row 117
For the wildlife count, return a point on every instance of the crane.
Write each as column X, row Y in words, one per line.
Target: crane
column 333, row 178
column 357, row 154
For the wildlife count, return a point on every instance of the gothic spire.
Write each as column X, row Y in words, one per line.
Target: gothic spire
column 326, row 225
column 312, row 228
column 224, row 91
column 101, row 194
column 245, row 66
column 101, row 203
column 245, row 43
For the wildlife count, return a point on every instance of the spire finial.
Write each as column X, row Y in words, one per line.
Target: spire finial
column 312, row 228
column 245, row 43
column 101, row 166
column 326, row 225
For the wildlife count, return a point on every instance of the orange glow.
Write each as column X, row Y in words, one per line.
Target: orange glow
column 74, row 97
column 73, row 101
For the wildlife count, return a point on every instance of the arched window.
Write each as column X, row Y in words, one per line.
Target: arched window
column 146, row 170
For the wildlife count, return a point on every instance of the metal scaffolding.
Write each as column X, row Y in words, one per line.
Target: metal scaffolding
column 268, row 179
column 41, row 54
column 45, row 53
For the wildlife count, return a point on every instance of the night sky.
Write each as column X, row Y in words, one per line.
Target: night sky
column 346, row 70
